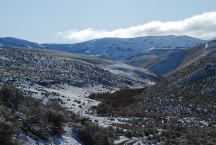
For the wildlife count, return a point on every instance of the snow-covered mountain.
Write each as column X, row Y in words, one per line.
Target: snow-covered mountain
column 123, row 48
column 112, row 48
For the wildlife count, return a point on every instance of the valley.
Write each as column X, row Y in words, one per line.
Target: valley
column 107, row 72
column 161, row 94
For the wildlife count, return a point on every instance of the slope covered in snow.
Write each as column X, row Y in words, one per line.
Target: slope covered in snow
column 123, row 48
column 68, row 81
column 46, row 76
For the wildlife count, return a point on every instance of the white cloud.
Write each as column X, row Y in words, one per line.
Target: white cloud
column 200, row 26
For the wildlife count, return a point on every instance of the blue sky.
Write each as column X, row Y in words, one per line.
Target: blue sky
column 65, row 21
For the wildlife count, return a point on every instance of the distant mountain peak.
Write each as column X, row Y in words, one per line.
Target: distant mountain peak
column 16, row 42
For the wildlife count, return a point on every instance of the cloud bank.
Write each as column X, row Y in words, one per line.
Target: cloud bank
column 201, row 26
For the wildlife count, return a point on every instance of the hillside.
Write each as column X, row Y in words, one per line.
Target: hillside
column 27, row 121
column 49, row 70
column 44, row 76
column 159, row 61
column 182, row 106
column 167, row 61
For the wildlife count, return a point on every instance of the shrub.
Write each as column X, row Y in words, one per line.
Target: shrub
column 112, row 102
column 86, row 137
column 11, row 97
column 57, row 119
column 7, row 132
column 91, row 134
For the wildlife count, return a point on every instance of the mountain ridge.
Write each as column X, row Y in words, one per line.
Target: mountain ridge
column 123, row 48
column 111, row 48
column 154, row 53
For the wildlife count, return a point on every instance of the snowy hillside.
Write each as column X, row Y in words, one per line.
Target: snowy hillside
column 46, row 77
column 133, row 72
column 49, row 70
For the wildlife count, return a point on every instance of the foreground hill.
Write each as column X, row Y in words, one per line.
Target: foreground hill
column 25, row 120
column 177, row 110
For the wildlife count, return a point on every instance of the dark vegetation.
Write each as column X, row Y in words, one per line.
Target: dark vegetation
column 7, row 132
column 92, row 134
column 111, row 102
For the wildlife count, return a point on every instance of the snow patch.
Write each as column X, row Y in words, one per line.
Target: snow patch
column 4, row 58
